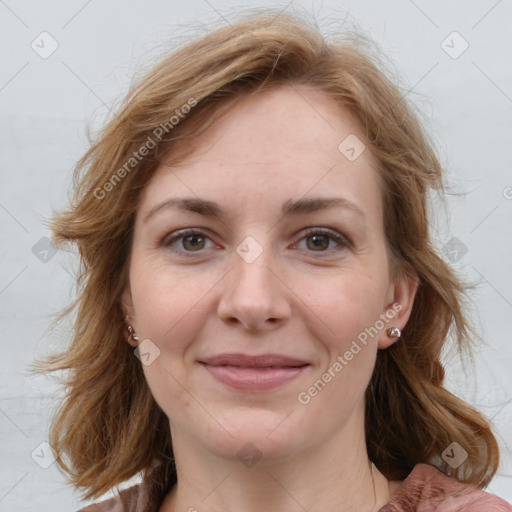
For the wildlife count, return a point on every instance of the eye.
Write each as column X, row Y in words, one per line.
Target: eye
column 190, row 240
column 319, row 240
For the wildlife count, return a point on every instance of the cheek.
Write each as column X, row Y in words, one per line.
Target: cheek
column 165, row 299
column 169, row 312
column 348, row 311
column 346, row 304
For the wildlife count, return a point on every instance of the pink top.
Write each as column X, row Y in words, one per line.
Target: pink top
column 425, row 490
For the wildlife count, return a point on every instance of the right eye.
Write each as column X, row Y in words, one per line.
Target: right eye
column 191, row 241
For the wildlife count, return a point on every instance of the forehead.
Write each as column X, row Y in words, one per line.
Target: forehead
column 279, row 144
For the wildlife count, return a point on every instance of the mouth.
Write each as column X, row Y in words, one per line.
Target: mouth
column 254, row 373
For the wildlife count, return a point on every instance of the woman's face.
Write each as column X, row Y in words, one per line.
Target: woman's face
column 259, row 279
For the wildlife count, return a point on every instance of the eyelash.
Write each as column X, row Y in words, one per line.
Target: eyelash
column 342, row 241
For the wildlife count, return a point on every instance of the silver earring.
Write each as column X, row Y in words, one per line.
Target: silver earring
column 394, row 332
column 131, row 331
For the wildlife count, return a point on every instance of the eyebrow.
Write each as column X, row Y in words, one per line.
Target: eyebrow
column 291, row 207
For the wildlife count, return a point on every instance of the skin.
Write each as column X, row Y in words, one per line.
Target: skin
column 297, row 298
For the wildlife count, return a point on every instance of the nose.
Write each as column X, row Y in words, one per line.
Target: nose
column 254, row 295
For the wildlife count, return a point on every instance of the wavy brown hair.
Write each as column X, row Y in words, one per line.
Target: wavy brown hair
column 108, row 427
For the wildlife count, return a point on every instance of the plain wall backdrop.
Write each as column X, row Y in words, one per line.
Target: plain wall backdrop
column 66, row 64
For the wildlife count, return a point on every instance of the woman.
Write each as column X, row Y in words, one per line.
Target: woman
column 262, row 310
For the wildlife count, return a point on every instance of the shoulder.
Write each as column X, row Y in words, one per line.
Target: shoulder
column 426, row 488
column 129, row 500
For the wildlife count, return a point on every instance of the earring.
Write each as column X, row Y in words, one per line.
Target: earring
column 394, row 332
column 131, row 331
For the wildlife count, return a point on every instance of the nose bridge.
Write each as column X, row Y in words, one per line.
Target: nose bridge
column 253, row 294
column 252, row 268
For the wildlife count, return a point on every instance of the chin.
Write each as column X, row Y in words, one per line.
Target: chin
column 262, row 435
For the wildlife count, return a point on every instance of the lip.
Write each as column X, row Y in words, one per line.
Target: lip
column 254, row 373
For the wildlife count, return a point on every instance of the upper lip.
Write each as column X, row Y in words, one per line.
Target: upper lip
column 248, row 361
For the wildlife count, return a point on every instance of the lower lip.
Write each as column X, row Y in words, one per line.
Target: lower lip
column 254, row 379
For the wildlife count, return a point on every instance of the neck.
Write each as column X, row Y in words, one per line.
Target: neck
column 334, row 477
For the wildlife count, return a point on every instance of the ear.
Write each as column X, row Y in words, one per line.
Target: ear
column 400, row 300
column 128, row 314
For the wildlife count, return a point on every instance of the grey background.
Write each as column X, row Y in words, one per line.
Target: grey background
column 47, row 103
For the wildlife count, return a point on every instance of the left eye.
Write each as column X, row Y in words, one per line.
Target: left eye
column 317, row 240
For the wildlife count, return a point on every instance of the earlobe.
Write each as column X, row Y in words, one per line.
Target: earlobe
column 128, row 316
column 133, row 339
column 400, row 308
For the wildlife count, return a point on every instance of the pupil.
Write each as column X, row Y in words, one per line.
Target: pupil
column 318, row 239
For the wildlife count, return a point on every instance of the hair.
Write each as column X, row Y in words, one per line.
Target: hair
column 108, row 427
